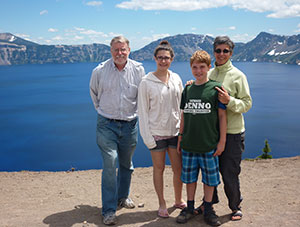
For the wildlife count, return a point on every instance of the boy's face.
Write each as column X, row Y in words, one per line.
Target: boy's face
column 199, row 70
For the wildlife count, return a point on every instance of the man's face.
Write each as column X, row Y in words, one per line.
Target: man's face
column 222, row 54
column 120, row 52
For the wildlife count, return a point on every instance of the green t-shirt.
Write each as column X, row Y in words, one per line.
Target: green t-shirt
column 201, row 123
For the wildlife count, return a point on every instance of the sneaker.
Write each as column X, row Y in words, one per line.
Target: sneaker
column 211, row 218
column 109, row 219
column 185, row 215
column 126, row 203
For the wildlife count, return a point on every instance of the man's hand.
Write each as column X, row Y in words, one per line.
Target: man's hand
column 223, row 95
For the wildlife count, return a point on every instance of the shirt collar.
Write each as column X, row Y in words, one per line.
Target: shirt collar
column 115, row 67
column 227, row 66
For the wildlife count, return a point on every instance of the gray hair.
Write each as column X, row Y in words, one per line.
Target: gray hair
column 119, row 39
column 219, row 40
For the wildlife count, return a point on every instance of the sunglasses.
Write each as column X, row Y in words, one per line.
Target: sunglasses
column 219, row 51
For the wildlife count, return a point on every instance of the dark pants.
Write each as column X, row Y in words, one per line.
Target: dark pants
column 230, row 168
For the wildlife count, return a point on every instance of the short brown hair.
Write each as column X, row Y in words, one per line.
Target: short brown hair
column 200, row 56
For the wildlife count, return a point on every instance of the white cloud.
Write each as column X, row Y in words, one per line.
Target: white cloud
column 77, row 37
column 94, row 3
column 52, row 30
column 277, row 8
column 24, row 36
column 155, row 37
column 193, row 29
column 271, row 30
column 57, row 38
column 79, row 29
column 244, row 38
column 112, row 34
column 298, row 29
column 226, row 29
column 90, row 32
column 286, row 10
column 43, row 12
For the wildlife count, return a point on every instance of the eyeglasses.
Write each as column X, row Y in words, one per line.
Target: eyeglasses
column 122, row 50
column 219, row 51
column 160, row 58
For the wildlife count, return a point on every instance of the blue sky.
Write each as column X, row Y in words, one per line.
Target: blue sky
column 143, row 21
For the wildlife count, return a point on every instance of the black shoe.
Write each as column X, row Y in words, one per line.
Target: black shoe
column 185, row 215
column 211, row 218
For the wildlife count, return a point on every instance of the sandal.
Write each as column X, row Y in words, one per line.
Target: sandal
column 236, row 215
column 163, row 213
column 181, row 205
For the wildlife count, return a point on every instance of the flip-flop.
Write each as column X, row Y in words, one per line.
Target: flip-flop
column 236, row 215
column 163, row 213
column 181, row 205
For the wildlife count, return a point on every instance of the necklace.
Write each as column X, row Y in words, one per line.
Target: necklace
column 164, row 78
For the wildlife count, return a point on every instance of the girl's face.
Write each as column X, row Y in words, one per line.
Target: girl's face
column 163, row 59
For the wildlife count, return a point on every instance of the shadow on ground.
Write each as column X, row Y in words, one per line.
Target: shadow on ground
column 86, row 215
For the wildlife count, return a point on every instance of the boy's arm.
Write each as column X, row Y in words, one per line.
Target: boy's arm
column 180, row 133
column 223, row 129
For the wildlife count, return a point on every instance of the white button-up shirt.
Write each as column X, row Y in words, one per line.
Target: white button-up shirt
column 114, row 93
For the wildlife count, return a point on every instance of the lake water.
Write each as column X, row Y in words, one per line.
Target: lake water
column 48, row 122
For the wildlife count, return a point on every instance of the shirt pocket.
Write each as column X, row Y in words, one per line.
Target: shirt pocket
column 130, row 91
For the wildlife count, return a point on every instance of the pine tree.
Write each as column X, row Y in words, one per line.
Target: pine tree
column 266, row 150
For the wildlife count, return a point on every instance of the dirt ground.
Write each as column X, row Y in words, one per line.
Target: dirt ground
column 270, row 189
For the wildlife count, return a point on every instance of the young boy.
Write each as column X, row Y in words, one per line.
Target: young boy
column 202, row 137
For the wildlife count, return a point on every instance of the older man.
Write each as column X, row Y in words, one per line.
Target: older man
column 113, row 89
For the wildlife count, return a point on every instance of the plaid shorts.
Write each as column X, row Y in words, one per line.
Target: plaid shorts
column 209, row 165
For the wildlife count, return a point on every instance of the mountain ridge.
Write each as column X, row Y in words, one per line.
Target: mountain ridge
column 265, row 47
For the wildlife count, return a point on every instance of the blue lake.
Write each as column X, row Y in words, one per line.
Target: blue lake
column 48, row 122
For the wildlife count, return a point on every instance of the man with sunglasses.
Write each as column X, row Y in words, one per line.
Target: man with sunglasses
column 235, row 94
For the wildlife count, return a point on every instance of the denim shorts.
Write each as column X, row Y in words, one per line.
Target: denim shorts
column 162, row 145
column 209, row 165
